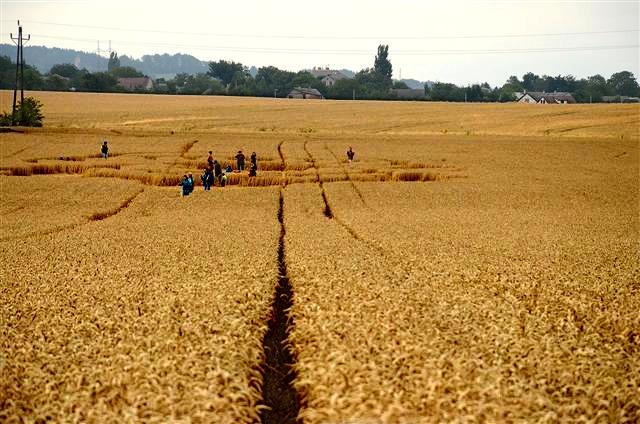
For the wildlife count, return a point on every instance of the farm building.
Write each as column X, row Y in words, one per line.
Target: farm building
column 305, row 93
column 141, row 83
column 546, row 98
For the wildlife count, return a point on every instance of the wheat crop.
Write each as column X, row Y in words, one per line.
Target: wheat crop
column 155, row 311
column 473, row 263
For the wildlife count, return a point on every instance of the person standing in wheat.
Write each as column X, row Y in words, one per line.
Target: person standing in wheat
column 185, row 185
column 350, row 155
column 217, row 171
column 104, row 150
column 240, row 160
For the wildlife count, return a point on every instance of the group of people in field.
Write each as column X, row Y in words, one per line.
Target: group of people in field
column 214, row 173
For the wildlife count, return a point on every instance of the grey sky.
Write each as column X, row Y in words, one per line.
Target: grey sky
column 297, row 34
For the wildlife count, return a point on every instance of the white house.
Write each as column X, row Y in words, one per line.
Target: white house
column 557, row 97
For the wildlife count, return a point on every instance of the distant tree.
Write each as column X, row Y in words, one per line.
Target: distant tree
column 226, row 71
column 241, row 82
column 201, row 83
column 493, row 95
column 530, row 81
column 515, row 83
column 372, row 84
column 506, row 96
column 66, row 70
column 216, row 87
column 98, row 81
column 624, row 84
column 508, row 90
column 28, row 114
column 592, row 89
column 598, row 86
column 269, row 78
column 180, row 79
column 171, row 86
column 399, row 85
column 126, row 72
column 7, row 70
column 474, row 93
column 33, row 79
column 382, row 65
column 446, row 92
column 114, row 62
column 559, row 83
column 55, row 82
column 344, row 89
column 77, row 82
column 242, row 85
column 306, row 79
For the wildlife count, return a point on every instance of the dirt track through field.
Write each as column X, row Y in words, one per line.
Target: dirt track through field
column 104, row 215
column 346, row 173
column 278, row 394
column 327, row 208
column 97, row 216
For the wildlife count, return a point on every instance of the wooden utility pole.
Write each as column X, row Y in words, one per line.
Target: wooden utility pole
column 19, row 71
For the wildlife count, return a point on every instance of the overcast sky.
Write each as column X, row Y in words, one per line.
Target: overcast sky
column 449, row 41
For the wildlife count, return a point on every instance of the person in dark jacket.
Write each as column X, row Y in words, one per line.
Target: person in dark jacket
column 207, row 179
column 185, row 185
column 252, row 170
column 192, row 183
column 254, row 160
column 350, row 154
column 229, row 170
column 217, row 170
column 104, row 150
column 240, row 160
column 210, row 158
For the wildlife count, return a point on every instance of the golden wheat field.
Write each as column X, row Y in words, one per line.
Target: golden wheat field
column 475, row 263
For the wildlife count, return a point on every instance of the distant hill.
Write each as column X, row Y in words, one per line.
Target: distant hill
column 43, row 58
column 157, row 65
column 165, row 65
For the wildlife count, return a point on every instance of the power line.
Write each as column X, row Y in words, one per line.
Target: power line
column 427, row 52
column 19, row 42
column 332, row 37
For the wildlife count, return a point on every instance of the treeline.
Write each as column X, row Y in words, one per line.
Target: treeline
column 65, row 77
column 584, row 90
column 592, row 88
column 235, row 79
